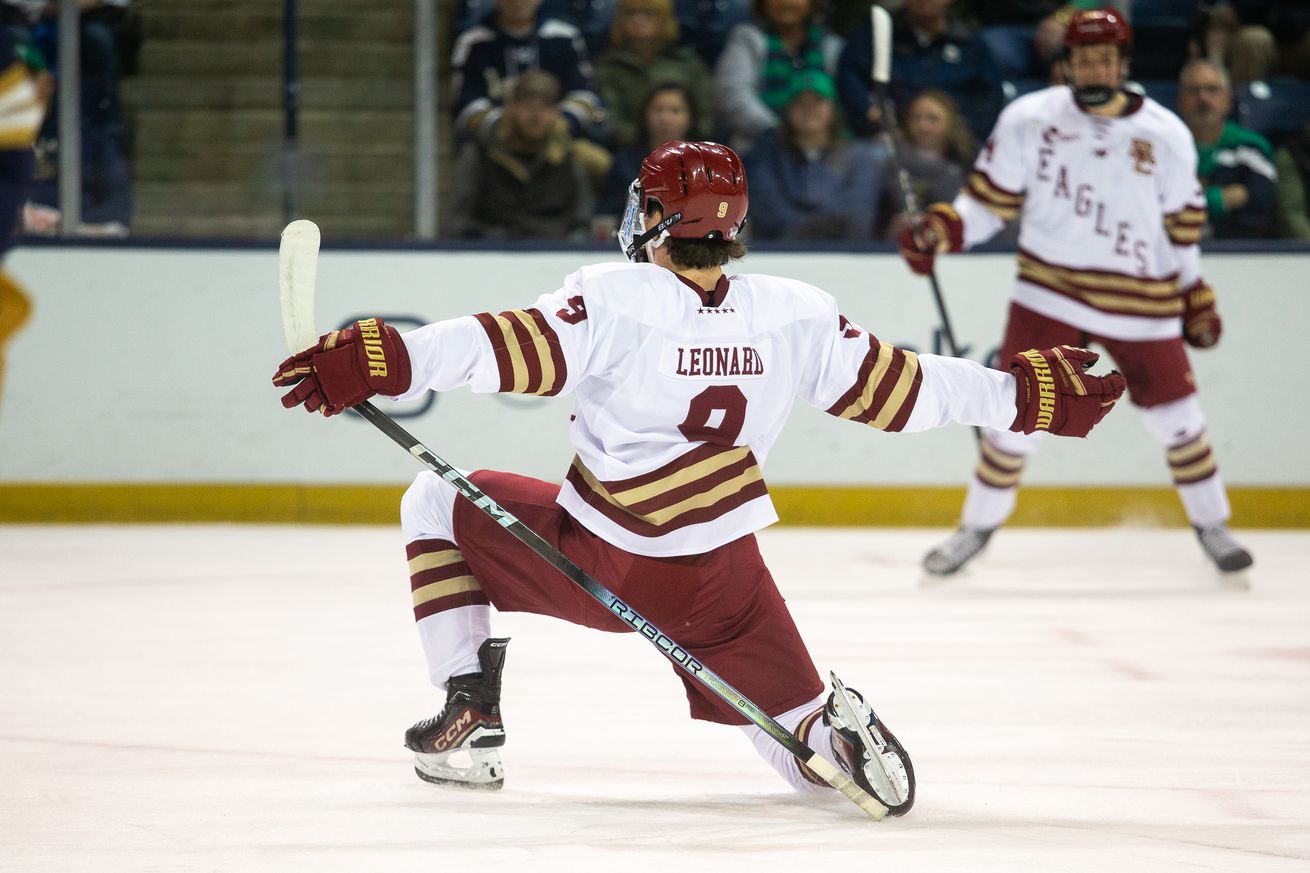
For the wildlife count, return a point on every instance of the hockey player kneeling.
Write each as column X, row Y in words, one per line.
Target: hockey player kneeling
column 682, row 378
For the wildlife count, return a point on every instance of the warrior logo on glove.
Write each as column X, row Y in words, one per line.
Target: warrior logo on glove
column 1055, row 394
column 346, row 368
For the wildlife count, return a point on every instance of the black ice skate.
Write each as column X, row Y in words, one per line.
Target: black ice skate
column 953, row 554
column 1221, row 548
column 868, row 751
column 460, row 746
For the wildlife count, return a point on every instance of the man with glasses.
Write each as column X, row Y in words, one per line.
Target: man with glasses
column 1236, row 165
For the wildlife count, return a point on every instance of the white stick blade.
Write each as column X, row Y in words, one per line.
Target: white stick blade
column 297, row 267
column 882, row 45
column 846, row 785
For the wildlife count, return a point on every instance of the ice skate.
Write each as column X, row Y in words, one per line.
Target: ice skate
column 953, row 554
column 1221, row 548
column 460, row 746
column 868, row 751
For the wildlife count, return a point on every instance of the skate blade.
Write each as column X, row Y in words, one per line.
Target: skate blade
column 1235, row 580
column 928, row 579
column 469, row 769
column 889, row 794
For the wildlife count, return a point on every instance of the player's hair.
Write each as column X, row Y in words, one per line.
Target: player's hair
column 699, row 254
column 702, row 254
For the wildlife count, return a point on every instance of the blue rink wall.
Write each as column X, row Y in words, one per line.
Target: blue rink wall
column 140, row 392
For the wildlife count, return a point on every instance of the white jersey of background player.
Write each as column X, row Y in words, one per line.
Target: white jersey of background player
column 1104, row 183
column 682, row 378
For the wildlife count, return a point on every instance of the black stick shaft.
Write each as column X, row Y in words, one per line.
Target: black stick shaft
column 912, row 209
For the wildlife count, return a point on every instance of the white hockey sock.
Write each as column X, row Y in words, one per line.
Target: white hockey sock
column 813, row 732
column 986, row 507
column 1206, row 501
column 451, row 636
column 1179, row 426
column 451, row 639
column 994, row 488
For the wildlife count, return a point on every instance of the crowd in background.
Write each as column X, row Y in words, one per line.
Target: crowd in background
column 556, row 101
column 110, row 38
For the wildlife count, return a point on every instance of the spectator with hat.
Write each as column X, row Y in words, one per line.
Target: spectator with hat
column 755, row 72
column 809, row 180
column 523, row 180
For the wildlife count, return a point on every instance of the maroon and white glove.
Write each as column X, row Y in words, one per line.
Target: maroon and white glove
column 1054, row 394
column 939, row 230
column 1201, row 323
column 346, row 367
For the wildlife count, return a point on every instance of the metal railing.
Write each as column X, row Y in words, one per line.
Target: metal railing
column 70, row 117
column 291, row 163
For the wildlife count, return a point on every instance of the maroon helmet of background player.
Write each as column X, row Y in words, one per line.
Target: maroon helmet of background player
column 700, row 188
column 1098, row 27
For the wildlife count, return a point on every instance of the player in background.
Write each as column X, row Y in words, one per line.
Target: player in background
column 1111, row 211
column 682, row 378
column 22, row 109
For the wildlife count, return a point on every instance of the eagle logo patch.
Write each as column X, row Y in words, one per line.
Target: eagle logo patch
column 1142, row 153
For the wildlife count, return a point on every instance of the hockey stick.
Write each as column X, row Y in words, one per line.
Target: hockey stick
column 297, row 257
column 881, row 22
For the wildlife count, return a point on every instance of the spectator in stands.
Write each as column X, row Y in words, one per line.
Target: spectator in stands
column 644, row 51
column 1254, row 39
column 936, row 150
column 513, row 39
column 667, row 114
column 931, row 48
column 1236, row 165
column 807, row 180
column 21, row 108
column 524, row 180
column 762, row 60
column 1293, row 164
column 1026, row 37
column 110, row 37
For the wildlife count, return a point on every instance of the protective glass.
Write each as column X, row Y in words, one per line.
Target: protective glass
column 633, row 225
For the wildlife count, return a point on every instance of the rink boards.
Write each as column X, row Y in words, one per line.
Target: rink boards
column 140, row 391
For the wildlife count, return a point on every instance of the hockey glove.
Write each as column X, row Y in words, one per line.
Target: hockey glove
column 346, row 367
column 1054, row 394
column 1201, row 324
column 939, row 230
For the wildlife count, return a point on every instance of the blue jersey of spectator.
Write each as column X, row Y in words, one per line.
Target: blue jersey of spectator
column 806, row 181
column 514, row 38
column 930, row 49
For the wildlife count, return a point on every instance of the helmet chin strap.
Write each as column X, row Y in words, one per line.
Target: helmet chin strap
column 655, row 235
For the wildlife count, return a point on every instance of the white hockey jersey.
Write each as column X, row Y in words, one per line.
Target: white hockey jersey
column 680, row 393
column 1111, row 211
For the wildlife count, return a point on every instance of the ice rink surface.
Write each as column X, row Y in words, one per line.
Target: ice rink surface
column 233, row 698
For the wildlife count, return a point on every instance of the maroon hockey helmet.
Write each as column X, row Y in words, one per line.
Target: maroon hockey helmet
column 1095, row 26
column 701, row 190
column 702, row 180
